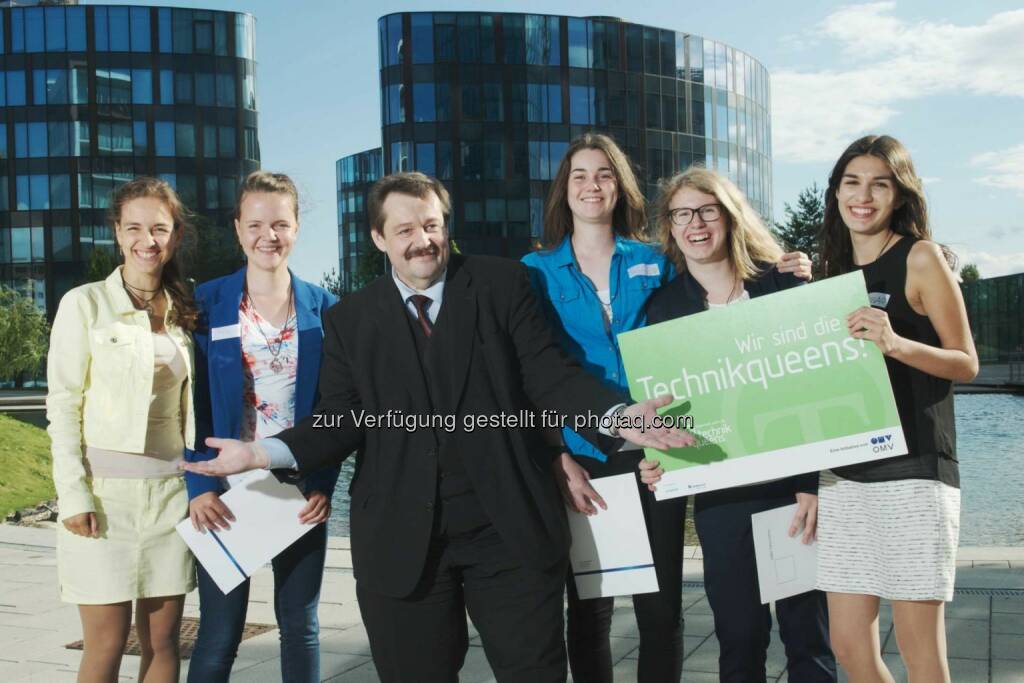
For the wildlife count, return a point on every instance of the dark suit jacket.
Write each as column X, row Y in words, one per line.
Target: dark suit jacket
column 504, row 359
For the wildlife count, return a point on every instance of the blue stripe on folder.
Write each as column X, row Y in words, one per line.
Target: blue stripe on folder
column 614, row 569
column 232, row 557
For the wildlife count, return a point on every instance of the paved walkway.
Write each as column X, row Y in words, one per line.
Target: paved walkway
column 985, row 622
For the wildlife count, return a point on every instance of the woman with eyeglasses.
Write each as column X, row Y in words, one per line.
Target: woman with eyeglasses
column 725, row 256
column 593, row 276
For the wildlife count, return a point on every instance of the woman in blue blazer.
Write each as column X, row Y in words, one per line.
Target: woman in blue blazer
column 257, row 365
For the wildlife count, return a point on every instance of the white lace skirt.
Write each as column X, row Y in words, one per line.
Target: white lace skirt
column 893, row 539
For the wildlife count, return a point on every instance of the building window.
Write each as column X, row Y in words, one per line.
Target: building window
column 212, row 191
column 60, row 242
column 422, row 35
column 56, row 29
column 393, row 40
column 183, row 88
column 184, row 140
column 580, row 46
column 226, row 142
column 425, row 158
column 163, row 138
column 57, row 138
column 400, row 160
column 542, row 44
column 226, row 90
column 142, row 85
column 395, row 105
column 140, row 29
column 14, row 89
column 79, row 85
column 166, row 86
column 164, row 28
column 75, row 28
column 581, row 104
column 493, row 110
column 544, row 103
column 445, row 162
column 140, row 139
column 33, row 22
column 252, row 149
column 182, row 31
column 423, row 107
column 60, row 191
column 443, row 37
column 205, row 91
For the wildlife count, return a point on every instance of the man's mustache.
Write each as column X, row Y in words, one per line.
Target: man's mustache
column 414, row 252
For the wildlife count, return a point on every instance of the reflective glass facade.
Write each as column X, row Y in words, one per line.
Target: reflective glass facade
column 994, row 307
column 489, row 101
column 355, row 175
column 91, row 96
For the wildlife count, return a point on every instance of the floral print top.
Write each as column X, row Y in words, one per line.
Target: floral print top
column 268, row 382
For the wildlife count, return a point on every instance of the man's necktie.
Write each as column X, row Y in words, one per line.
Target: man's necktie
column 422, row 303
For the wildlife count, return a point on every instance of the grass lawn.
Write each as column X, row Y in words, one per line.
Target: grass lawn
column 25, row 477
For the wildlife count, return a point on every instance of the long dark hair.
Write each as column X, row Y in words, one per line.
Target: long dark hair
column 629, row 217
column 183, row 309
column 909, row 218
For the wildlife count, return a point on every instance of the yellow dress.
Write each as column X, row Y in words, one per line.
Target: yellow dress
column 139, row 498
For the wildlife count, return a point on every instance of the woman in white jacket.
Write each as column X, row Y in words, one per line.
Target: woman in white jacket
column 120, row 413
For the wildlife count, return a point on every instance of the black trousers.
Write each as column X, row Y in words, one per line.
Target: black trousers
column 517, row 611
column 743, row 625
column 659, row 616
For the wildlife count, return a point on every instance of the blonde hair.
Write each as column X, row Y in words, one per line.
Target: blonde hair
column 749, row 242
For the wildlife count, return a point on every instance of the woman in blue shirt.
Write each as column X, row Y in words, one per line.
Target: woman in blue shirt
column 594, row 277
column 257, row 367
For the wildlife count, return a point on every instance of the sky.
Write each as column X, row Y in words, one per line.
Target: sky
column 947, row 79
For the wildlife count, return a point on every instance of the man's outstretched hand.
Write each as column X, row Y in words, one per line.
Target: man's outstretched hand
column 235, row 456
column 661, row 437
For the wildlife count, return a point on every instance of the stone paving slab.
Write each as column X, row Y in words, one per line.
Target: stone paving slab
column 985, row 629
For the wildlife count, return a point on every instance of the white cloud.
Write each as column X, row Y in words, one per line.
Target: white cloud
column 1003, row 169
column 930, row 180
column 989, row 264
column 816, row 113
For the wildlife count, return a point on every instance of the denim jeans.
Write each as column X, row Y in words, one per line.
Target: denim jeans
column 298, row 573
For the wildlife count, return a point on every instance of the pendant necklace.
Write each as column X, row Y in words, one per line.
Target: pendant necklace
column 274, row 348
column 138, row 298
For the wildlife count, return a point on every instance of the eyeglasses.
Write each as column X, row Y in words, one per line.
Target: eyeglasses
column 707, row 213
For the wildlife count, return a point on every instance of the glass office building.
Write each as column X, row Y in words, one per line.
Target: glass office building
column 994, row 307
column 489, row 101
column 92, row 96
column 355, row 175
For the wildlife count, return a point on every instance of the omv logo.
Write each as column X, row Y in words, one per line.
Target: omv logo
column 881, row 444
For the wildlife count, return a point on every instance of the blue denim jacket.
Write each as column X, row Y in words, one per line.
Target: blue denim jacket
column 570, row 301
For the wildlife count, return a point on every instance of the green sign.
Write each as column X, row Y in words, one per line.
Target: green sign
column 775, row 386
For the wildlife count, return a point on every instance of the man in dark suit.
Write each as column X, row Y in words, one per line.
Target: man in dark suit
column 448, row 515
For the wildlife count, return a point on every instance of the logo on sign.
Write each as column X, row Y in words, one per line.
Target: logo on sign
column 880, row 444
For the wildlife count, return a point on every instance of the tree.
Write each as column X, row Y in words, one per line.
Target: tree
column 332, row 283
column 101, row 263
column 24, row 335
column 369, row 267
column 969, row 273
column 800, row 231
column 209, row 251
